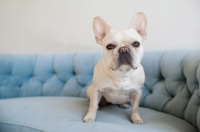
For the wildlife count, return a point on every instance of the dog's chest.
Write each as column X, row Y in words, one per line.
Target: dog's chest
column 117, row 96
column 122, row 84
column 119, row 91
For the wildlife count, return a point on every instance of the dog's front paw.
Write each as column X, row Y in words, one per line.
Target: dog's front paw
column 89, row 118
column 135, row 118
column 139, row 121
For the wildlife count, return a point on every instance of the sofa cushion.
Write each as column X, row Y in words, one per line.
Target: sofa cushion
column 64, row 114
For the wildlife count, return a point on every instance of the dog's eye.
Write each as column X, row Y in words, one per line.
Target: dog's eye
column 110, row 46
column 136, row 44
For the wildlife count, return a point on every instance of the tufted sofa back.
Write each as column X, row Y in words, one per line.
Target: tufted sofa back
column 66, row 74
column 171, row 85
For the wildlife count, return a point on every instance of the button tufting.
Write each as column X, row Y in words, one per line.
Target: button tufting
column 31, row 75
column 20, row 85
column 73, row 73
column 150, row 91
column 54, row 72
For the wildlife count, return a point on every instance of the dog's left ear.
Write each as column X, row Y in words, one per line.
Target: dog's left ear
column 139, row 23
column 100, row 28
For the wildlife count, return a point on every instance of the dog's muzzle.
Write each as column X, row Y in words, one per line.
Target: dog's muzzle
column 124, row 56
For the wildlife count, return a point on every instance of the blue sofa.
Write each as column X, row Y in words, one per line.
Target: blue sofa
column 47, row 93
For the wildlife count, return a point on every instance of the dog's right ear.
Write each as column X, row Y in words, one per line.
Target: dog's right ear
column 139, row 23
column 100, row 28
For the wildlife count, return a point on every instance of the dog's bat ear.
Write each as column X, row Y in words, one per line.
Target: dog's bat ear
column 100, row 28
column 139, row 23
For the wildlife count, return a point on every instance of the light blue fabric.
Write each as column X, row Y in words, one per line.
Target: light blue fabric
column 198, row 119
column 65, row 114
column 171, row 83
column 46, row 74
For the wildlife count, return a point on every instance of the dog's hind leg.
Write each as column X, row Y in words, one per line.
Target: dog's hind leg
column 124, row 106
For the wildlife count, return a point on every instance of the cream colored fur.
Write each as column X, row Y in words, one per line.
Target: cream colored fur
column 118, row 84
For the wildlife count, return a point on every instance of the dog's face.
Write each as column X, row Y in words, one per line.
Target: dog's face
column 122, row 49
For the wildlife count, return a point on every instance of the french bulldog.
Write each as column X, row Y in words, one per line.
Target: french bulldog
column 118, row 77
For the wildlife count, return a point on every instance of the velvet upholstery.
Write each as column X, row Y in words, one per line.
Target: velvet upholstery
column 171, row 83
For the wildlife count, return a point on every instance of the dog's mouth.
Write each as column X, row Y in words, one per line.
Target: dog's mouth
column 125, row 59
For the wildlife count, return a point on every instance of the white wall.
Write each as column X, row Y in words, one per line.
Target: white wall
column 34, row 26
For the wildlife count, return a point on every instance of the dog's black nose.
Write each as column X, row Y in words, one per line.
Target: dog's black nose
column 124, row 50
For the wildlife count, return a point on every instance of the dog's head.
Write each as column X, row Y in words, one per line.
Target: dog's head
column 122, row 49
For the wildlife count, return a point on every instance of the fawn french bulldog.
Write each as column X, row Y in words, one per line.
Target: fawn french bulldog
column 118, row 77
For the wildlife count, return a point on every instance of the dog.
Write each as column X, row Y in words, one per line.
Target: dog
column 118, row 77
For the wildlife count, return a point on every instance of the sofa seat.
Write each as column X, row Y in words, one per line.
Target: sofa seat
column 64, row 114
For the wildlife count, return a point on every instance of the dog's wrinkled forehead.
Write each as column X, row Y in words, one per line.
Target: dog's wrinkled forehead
column 121, row 37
